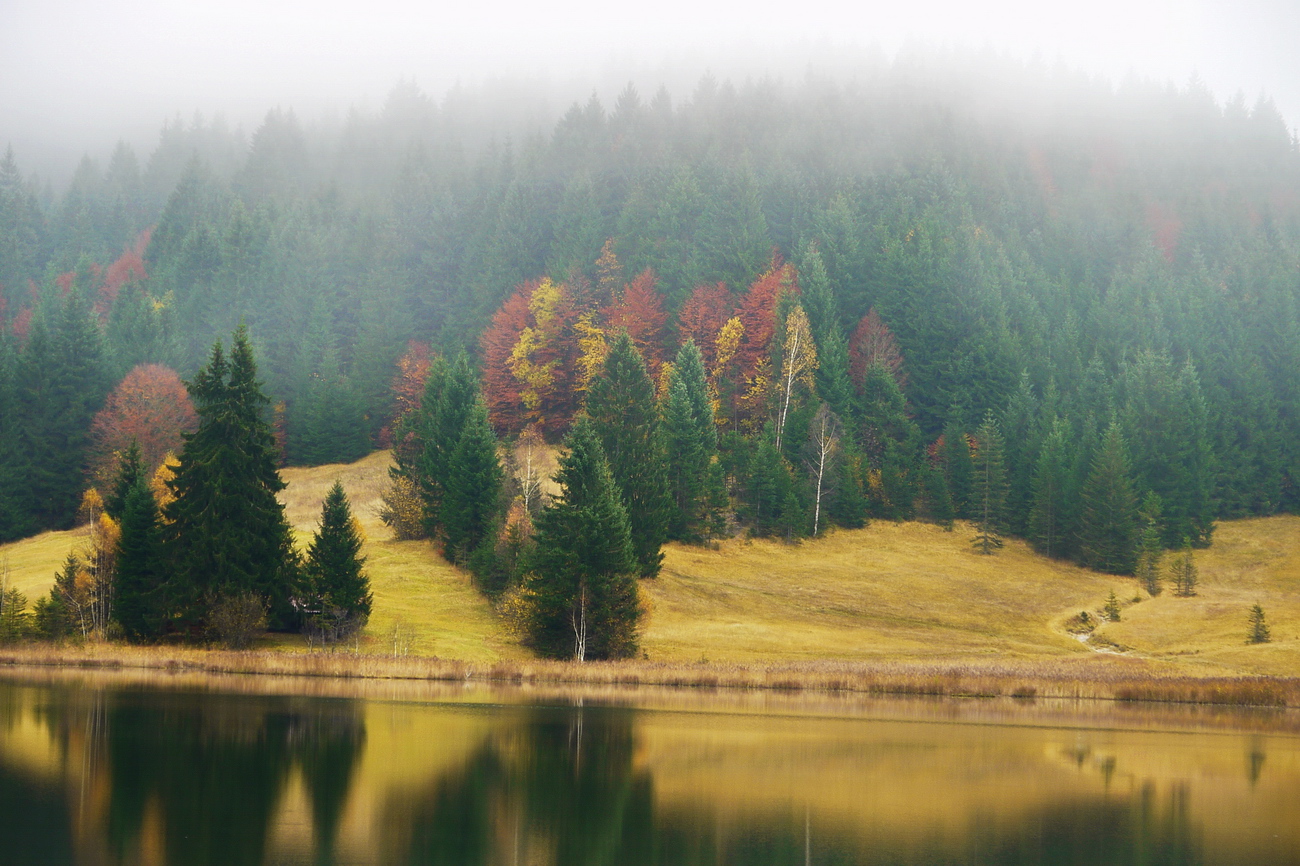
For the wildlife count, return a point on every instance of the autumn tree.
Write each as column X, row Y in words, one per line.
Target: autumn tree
column 702, row 316
column 798, row 366
column 639, row 310
column 873, row 343
column 149, row 407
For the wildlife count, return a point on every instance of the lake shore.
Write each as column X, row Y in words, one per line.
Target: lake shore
column 1107, row 678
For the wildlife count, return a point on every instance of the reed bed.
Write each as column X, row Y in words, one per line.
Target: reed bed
column 1123, row 680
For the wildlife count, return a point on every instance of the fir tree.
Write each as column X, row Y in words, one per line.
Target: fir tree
column 1051, row 482
column 691, row 440
column 1107, row 526
column 448, row 401
column 130, row 473
column 1183, row 572
column 138, row 594
column 471, row 503
column 1112, row 607
column 621, row 406
column 226, row 533
column 1150, row 549
column 990, row 487
column 333, row 569
column 1259, row 631
column 956, row 458
column 582, row 577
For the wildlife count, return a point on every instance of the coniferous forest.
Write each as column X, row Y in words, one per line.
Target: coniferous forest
column 1054, row 308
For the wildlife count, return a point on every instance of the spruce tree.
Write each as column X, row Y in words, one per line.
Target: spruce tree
column 990, row 487
column 1259, row 631
column 582, row 576
column 621, row 406
column 956, row 458
column 1108, row 523
column 226, row 533
column 449, row 399
column 333, row 568
column 138, row 593
column 471, row 502
column 1049, row 504
column 130, row 473
column 691, row 440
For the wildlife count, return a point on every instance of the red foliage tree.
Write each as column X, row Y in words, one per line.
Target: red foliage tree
column 639, row 310
column 874, row 343
column 407, row 386
column 757, row 312
column 530, row 359
column 128, row 268
column 151, row 406
column 702, row 316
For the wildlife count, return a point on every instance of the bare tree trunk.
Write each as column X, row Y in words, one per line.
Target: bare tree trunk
column 789, row 388
column 579, row 621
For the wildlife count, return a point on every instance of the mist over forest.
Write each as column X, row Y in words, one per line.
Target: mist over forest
column 1034, row 245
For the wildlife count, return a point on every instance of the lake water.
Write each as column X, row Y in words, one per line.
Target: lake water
column 106, row 769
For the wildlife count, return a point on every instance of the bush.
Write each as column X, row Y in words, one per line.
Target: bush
column 236, row 620
column 333, row 625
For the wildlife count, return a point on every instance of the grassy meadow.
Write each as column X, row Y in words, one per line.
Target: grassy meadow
column 889, row 594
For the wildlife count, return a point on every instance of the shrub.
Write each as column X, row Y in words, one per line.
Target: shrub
column 236, row 620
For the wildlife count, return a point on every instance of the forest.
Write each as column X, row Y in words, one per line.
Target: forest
column 1060, row 309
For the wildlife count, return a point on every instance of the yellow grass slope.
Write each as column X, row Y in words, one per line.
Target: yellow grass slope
column 884, row 593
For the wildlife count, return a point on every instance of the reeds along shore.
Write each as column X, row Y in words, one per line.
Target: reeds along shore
column 1116, row 680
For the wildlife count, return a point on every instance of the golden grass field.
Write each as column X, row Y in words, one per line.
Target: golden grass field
column 888, row 594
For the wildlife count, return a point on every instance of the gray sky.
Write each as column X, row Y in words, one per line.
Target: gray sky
column 76, row 75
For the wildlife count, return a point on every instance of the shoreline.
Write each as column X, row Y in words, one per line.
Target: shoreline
column 1090, row 678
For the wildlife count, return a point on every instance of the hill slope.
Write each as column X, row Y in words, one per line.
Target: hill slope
column 888, row 592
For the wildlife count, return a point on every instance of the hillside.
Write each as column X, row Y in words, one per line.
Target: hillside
column 891, row 591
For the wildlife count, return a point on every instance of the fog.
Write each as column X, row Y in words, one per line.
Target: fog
column 76, row 76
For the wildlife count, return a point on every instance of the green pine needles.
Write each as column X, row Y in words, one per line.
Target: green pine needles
column 337, row 588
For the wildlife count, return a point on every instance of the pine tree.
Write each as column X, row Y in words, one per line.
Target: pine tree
column 226, row 533
column 772, row 505
column 471, row 504
column 621, row 406
column 990, row 487
column 1112, row 607
column 691, row 440
column 582, row 577
column 1107, row 525
column 1150, row 548
column 138, row 593
column 333, row 568
column 956, row 458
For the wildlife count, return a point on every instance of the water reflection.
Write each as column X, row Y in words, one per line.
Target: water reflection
column 134, row 775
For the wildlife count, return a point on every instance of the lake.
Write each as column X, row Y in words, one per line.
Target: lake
column 158, row 769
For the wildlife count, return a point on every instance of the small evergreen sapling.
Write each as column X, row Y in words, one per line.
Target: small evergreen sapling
column 1183, row 572
column 1259, row 632
column 1112, row 607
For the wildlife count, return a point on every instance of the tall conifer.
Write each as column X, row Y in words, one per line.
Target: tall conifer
column 226, row 532
column 333, row 569
column 471, row 500
column 694, row 476
column 582, row 578
column 1108, row 523
column 138, row 594
column 621, row 406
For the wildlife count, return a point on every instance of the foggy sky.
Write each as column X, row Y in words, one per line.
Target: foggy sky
column 76, row 75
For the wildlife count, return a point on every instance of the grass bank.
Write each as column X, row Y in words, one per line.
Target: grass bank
column 1081, row 678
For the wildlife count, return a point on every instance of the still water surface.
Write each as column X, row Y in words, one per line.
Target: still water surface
column 98, row 770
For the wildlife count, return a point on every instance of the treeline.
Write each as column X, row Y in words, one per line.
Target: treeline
column 1050, row 250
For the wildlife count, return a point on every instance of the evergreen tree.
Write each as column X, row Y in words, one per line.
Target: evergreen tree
column 691, row 441
column 138, row 593
column 333, row 569
column 956, row 458
column 1049, row 506
column 226, row 533
column 130, row 473
column 471, row 504
column 582, row 579
column 448, row 402
column 1183, row 572
column 1107, row 526
column 990, row 487
column 621, row 406
column 938, row 500
column 771, row 504
column 1150, row 547
column 1259, row 631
